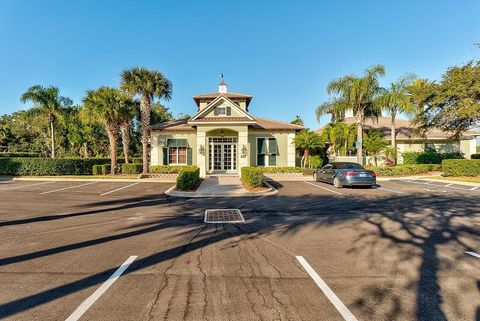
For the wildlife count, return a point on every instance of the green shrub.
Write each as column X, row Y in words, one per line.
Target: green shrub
column 169, row 169
column 103, row 169
column 461, row 167
column 314, row 162
column 429, row 157
column 133, row 168
column 188, row 178
column 18, row 154
column 475, row 156
column 401, row 170
column 253, row 176
column 287, row 169
column 49, row 166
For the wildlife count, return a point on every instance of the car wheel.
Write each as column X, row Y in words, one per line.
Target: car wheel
column 337, row 183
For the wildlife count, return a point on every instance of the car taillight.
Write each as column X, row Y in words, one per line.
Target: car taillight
column 373, row 174
column 350, row 174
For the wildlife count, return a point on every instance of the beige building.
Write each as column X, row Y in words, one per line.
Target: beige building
column 222, row 137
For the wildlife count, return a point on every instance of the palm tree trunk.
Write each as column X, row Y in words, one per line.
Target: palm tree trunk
column 125, row 132
column 359, row 118
column 145, row 110
column 306, row 155
column 52, row 138
column 112, row 137
column 394, row 138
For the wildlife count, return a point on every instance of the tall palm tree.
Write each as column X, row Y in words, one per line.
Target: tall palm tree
column 126, row 114
column 105, row 105
column 340, row 136
column 395, row 100
column 47, row 101
column 357, row 94
column 148, row 84
column 308, row 141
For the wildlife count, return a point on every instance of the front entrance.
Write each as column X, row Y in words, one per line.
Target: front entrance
column 222, row 156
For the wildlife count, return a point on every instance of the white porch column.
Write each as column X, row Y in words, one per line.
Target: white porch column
column 243, row 159
column 201, row 156
column 291, row 149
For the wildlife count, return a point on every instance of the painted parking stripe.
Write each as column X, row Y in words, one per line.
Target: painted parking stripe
column 70, row 187
column 474, row 188
column 118, row 189
column 324, row 188
column 347, row 315
column 82, row 308
column 388, row 189
column 21, row 186
column 449, row 187
column 473, row 254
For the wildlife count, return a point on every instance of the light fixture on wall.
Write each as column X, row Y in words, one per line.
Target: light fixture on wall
column 201, row 149
column 244, row 150
column 222, row 133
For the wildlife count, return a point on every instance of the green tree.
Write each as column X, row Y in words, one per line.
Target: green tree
column 395, row 100
column 340, row 137
column 451, row 104
column 148, row 84
column 47, row 101
column 127, row 111
column 374, row 144
column 309, row 142
column 358, row 94
column 297, row 121
column 105, row 105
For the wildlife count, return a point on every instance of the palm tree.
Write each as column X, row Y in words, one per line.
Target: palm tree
column 308, row 141
column 47, row 101
column 105, row 105
column 357, row 94
column 340, row 136
column 395, row 100
column 148, row 84
column 126, row 114
column 374, row 144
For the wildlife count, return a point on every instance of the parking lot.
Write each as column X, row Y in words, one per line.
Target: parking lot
column 125, row 251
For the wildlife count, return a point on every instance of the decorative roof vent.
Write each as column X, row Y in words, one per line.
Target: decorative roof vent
column 222, row 87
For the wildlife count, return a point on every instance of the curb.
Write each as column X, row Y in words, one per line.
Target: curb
column 172, row 192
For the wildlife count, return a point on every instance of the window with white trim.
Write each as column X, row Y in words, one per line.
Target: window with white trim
column 267, row 151
column 222, row 111
column 177, row 155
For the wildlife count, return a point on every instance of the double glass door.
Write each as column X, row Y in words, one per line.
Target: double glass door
column 222, row 154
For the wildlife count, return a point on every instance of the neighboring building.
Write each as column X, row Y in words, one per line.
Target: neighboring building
column 408, row 140
column 223, row 137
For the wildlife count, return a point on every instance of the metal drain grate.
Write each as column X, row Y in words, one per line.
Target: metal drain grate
column 224, row 216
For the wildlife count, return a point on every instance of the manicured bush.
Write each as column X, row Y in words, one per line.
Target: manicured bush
column 169, row 169
column 103, row 169
column 475, row 156
column 133, row 168
column 49, row 166
column 287, row 169
column 461, row 167
column 401, row 170
column 253, row 176
column 188, row 178
column 18, row 154
column 429, row 157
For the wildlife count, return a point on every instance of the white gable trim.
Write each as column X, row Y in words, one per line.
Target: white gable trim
column 212, row 104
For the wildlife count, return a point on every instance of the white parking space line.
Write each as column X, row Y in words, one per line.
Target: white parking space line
column 474, row 188
column 324, row 188
column 65, row 188
column 473, row 254
column 387, row 189
column 447, row 186
column 82, row 308
column 428, row 182
column 21, row 186
column 347, row 315
column 118, row 189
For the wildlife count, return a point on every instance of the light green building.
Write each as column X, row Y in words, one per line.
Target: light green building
column 222, row 137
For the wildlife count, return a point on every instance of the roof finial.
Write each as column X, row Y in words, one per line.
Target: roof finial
column 222, row 87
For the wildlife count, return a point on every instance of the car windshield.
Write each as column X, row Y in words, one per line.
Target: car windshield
column 348, row 166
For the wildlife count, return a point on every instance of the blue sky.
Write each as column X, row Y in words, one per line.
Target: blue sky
column 282, row 52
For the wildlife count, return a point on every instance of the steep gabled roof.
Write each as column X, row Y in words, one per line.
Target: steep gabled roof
column 221, row 98
column 214, row 95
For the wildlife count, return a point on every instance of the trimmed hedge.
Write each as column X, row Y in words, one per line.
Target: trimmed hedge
column 49, row 166
column 104, row 169
column 133, row 168
column 430, row 157
column 188, row 178
column 287, row 169
column 18, row 154
column 401, row 170
column 475, row 156
column 253, row 176
column 170, row 169
column 461, row 167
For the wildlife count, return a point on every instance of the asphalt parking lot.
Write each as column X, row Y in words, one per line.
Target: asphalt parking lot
column 124, row 251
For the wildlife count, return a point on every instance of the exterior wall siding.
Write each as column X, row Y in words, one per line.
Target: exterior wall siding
column 159, row 141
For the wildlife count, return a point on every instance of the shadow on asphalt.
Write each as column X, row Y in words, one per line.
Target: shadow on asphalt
column 412, row 223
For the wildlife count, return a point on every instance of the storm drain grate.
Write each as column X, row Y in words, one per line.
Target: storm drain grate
column 224, row 216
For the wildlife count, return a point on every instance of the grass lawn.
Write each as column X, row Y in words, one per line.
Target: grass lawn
column 130, row 176
column 468, row 179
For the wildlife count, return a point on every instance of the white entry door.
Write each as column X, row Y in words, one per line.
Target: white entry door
column 222, row 154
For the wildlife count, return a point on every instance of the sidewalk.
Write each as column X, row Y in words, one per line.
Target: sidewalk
column 221, row 186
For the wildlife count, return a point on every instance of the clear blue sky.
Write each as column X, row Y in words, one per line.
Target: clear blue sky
column 282, row 52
